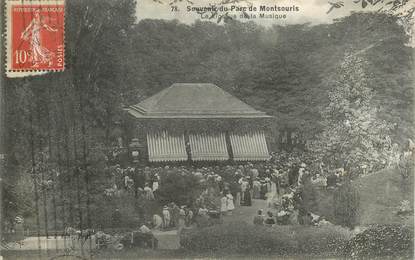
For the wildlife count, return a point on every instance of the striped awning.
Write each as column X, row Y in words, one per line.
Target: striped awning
column 165, row 147
column 250, row 146
column 208, row 146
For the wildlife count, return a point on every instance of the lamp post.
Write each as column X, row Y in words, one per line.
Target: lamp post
column 136, row 149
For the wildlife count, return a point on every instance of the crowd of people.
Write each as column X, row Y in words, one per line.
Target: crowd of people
column 233, row 185
column 279, row 181
column 173, row 216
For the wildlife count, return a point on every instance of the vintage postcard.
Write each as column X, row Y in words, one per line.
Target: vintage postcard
column 216, row 129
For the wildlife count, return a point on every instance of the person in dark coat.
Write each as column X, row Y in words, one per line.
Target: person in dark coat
column 293, row 175
column 221, row 183
column 259, row 219
column 138, row 178
column 331, row 180
column 307, row 219
column 247, row 197
column 19, row 230
column 116, row 218
column 175, row 214
column 269, row 221
column 264, row 189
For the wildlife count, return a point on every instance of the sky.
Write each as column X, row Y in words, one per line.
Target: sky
column 310, row 11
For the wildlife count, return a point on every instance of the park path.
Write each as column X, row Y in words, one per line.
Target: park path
column 51, row 243
column 245, row 213
column 167, row 239
column 171, row 240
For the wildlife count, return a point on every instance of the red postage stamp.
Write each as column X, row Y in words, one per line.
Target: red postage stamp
column 35, row 37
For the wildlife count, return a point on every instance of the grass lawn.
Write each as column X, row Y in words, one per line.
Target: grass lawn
column 380, row 195
column 148, row 254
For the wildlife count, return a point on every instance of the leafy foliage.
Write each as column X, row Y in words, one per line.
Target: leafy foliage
column 382, row 241
column 352, row 134
column 178, row 188
column 72, row 118
column 240, row 237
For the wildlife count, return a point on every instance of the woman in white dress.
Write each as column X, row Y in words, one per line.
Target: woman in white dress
column 230, row 204
column 273, row 185
column 223, row 205
column 157, row 222
column 148, row 192
column 182, row 219
column 272, row 189
column 156, row 182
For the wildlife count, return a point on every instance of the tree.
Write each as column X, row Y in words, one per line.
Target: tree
column 352, row 134
column 181, row 189
column 346, row 205
column 402, row 9
column 68, row 114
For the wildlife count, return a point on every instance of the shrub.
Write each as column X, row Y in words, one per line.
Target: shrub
column 239, row 237
column 131, row 211
column 382, row 240
column 178, row 188
column 317, row 240
column 309, row 196
column 233, row 237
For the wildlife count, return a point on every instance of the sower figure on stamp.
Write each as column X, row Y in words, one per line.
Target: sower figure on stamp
column 40, row 54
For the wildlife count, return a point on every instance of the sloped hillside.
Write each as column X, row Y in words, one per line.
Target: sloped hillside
column 381, row 194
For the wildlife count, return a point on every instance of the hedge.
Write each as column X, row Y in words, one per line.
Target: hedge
column 239, row 237
column 383, row 240
column 325, row 239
